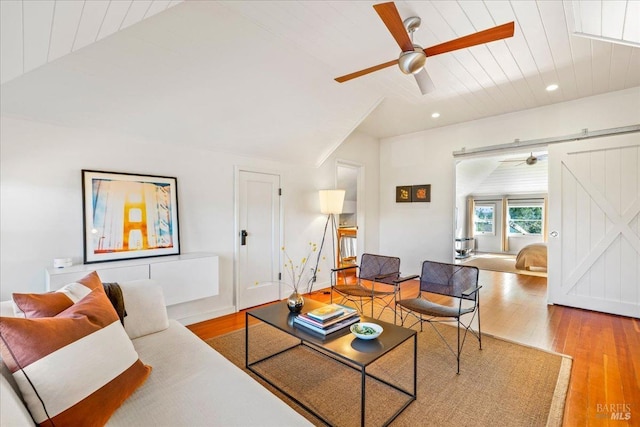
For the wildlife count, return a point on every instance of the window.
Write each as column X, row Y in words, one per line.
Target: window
column 525, row 218
column 484, row 218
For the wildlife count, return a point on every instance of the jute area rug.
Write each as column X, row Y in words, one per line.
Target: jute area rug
column 503, row 384
column 504, row 263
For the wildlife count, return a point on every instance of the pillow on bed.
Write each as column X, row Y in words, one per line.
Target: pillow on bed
column 52, row 303
column 76, row 368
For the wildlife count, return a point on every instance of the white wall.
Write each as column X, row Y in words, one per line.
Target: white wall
column 420, row 231
column 41, row 200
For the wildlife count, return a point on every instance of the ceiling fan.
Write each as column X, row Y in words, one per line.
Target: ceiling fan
column 412, row 56
column 531, row 160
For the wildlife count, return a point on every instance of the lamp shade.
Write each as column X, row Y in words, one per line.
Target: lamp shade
column 331, row 201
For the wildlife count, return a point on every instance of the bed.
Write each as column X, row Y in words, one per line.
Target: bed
column 532, row 256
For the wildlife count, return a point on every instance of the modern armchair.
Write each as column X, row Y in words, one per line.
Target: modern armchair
column 460, row 284
column 377, row 281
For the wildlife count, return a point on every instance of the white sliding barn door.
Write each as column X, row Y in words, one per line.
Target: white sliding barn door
column 594, row 224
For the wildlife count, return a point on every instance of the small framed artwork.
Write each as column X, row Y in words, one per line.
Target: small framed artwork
column 421, row 193
column 403, row 194
column 129, row 216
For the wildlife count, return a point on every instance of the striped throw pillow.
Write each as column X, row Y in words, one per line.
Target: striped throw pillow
column 76, row 368
column 52, row 303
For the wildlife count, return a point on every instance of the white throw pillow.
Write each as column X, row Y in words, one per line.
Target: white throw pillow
column 146, row 310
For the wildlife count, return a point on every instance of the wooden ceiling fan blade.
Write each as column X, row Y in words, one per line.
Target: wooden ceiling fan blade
column 492, row 34
column 424, row 82
column 360, row 73
column 391, row 18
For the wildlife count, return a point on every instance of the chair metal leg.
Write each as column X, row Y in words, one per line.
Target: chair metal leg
column 458, row 357
column 395, row 316
column 395, row 309
column 479, row 330
column 372, row 307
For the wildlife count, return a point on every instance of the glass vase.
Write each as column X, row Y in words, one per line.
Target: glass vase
column 295, row 302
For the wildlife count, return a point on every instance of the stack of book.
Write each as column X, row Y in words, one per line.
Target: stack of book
column 327, row 319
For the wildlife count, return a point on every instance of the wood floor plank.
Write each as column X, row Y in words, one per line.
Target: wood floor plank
column 605, row 348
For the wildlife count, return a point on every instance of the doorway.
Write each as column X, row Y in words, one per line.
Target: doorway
column 501, row 202
column 258, row 236
column 351, row 220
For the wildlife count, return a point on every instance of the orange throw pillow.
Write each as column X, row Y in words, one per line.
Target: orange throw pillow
column 76, row 368
column 52, row 303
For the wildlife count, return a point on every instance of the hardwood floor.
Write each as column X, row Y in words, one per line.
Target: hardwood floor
column 605, row 376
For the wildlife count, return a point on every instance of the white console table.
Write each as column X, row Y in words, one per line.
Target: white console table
column 183, row 277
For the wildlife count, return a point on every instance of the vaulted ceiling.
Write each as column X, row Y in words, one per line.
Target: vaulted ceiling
column 255, row 78
column 500, row 175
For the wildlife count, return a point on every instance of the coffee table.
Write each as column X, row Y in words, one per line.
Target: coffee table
column 339, row 346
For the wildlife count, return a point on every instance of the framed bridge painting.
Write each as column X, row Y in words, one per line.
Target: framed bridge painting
column 129, row 216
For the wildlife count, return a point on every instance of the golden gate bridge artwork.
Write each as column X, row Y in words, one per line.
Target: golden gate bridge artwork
column 131, row 216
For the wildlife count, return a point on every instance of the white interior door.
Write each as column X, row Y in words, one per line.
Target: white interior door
column 594, row 224
column 258, row 239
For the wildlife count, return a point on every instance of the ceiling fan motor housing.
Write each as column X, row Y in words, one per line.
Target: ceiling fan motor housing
column 412, row 62
column 412, row 23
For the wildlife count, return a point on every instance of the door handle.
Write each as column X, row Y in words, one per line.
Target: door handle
column 243, row 237
column 554, row 234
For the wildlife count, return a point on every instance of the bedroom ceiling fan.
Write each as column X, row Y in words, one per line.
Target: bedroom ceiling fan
column 531, row 160
column 412, row 56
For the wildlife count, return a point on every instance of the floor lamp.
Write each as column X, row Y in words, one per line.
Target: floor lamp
column 331, row 202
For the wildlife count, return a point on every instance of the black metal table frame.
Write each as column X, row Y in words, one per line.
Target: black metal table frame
column 341, row 359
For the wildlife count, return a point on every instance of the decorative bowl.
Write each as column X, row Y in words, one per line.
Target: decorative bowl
column 366, row 331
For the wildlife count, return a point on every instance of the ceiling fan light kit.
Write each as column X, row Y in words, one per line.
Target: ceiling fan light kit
column 413, row 57
column 412, row 62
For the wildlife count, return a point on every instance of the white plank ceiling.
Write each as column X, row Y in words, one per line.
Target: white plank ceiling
column 503, row 175
column 35, row 32
column 256, row 77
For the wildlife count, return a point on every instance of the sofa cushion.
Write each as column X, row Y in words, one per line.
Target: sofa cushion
column 6, row 309
column 52, row 303
column 194, row 385
column 75, row 368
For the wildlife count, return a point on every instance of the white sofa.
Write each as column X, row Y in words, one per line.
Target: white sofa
column 191, row 384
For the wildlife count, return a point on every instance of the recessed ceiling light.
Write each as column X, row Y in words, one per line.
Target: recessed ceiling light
column 552, row 87
column 435, row 115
